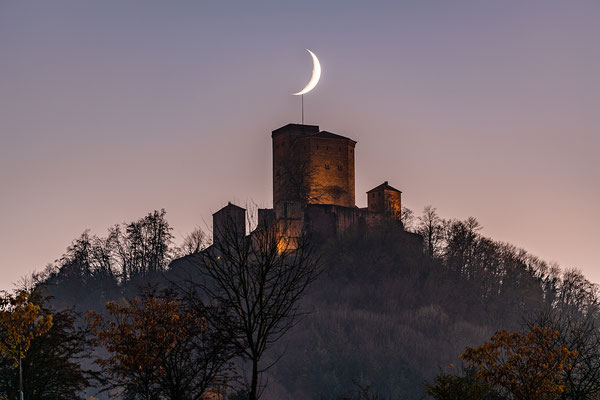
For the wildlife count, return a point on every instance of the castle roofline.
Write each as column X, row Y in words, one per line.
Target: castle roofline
column 330, row 135
column 384, row 186
column 230, row 206
column 300, row 128
column 309, row 131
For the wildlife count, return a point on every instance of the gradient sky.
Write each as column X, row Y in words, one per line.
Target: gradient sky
column 110, row 109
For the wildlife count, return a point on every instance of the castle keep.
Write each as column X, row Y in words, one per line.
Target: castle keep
column 314, row 188
column 313, row 164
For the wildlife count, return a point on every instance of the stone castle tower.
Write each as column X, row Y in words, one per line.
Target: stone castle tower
column 312, row 166
column 229, row 220
column 314, row 189
column 386, row 200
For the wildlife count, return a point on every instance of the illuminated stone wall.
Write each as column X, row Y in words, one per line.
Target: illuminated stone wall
column 290, row 160
column 314, row 188
column 386, row 200
column 332, row 166
column 393, row 203
column 312, row 167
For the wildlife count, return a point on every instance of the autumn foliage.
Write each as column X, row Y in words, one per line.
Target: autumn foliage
column 20, row 322
column 526, row 365
column 135, row 336
column 157, row 349
column 451, row 386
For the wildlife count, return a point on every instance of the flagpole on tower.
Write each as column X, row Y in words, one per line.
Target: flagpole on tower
column 302, row 109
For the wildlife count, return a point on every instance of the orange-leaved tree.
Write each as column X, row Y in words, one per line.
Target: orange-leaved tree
column 21, row 321
column 158, row 349
column 136, row 336
column 527, row 365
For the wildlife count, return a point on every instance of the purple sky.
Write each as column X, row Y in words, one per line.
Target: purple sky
column 111, row 109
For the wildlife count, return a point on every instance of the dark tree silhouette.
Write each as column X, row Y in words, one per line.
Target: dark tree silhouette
column 51, row 367
column 259, row 280
column 143, row 247
column 431, row 227
column 193, row 243
column 461, row 385
column 579, row 331
column 379, row 286
column 160, row 348
column 299, row 183
column 407, row 216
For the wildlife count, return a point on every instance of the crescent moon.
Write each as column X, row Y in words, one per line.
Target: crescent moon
column 314, row 79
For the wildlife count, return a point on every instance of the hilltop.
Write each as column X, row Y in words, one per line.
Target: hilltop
column 387, row 312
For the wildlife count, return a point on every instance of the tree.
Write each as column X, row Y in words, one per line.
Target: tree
column 362, row 392
column 143, row 247
column 259, row 281
column 199, row 362
column 463, row 386
column 20, row 322
column 576, row 292
column 51, row 368
column 157, row 348
column 297, row 177
column 579, row 332
column 526, row 365
column 193, row 243
column 431, row 227
column 461, row 246
column 407, row 216
column 84, row 272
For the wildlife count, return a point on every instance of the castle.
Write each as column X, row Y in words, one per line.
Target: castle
column 313, row 188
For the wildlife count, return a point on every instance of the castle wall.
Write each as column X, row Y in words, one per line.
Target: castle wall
column 314, row 186
column 329, row 221
column 376, row 220
column 332, row 166
column 393, row 203
column 320, row 221
column 323, row 221
column 289, row 223
column 266, row 217
column 350, row 176
column 229, row 222
column 386, row 201
column 376, row 201
column 290, row 160
column 312, row 167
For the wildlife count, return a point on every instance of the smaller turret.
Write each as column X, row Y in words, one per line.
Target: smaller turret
column 229, row 220
column 386, row 200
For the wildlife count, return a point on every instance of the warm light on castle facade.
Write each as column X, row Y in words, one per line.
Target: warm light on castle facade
column 314, row 189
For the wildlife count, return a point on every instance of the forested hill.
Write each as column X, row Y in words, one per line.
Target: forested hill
column 385, row 313
column 388, row 315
